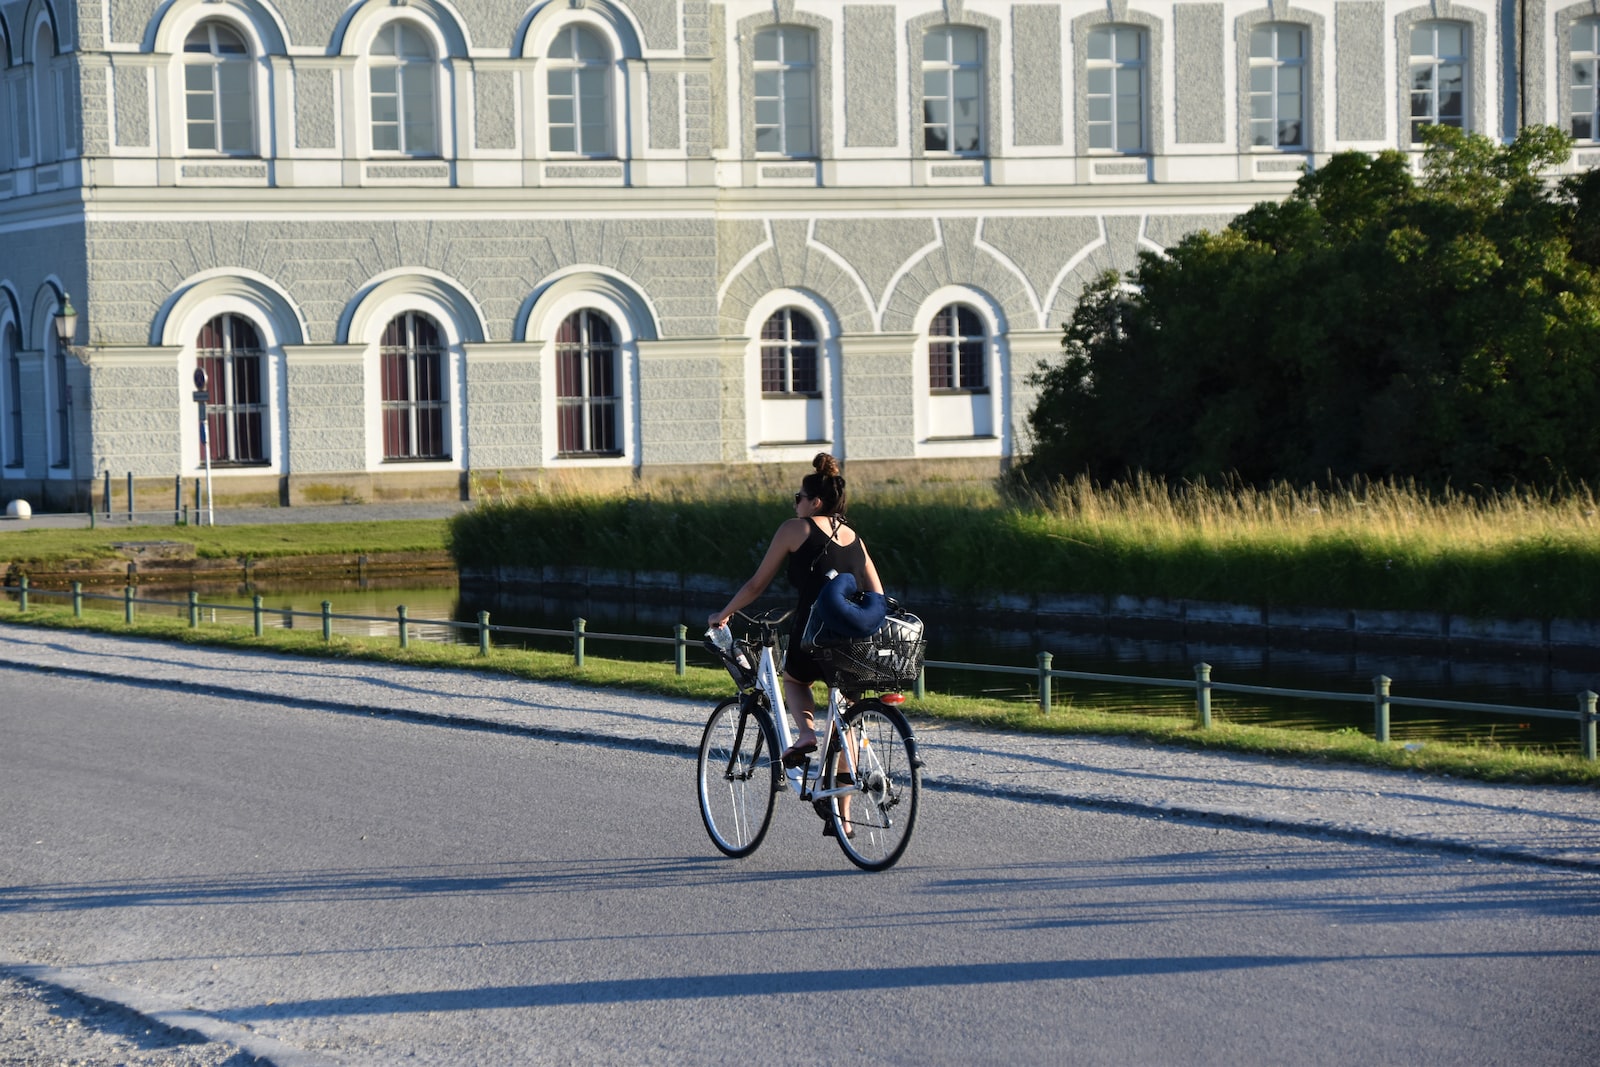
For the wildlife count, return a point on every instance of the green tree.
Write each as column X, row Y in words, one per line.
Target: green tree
column 1372, row 324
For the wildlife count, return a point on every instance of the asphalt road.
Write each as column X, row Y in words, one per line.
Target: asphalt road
column 374, row 891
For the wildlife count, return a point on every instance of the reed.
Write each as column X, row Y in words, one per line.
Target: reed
column 1365, row 545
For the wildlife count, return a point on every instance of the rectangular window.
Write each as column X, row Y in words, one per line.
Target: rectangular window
column 952, row 90
column 1277, row 87
column 1585, row 72
column 1115, row 89
column 1438, row 76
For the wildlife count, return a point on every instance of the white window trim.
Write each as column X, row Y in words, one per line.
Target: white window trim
column 627, row 342
column 452, row 388
column 260, row 87
column 827, row 379
column 996, row 363
column 359, row 46
column 1276, row 65
column 785, row 68
column 434, row 40
column 8, row 462
column 1467, row 60
column 1143, row 66
column 1565, row 83
column 274, row 388
column 536, row 46
column 985, row 58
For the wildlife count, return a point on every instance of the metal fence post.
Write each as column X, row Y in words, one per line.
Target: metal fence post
column 405, row 635
column 255, row 613
column 1044, row 681
column 680, row 659
column 327, row 621
column 1202, row 694
column 1586, row 717
column 77, row 600
column 105, row 494
column 194, row 609
column 483, row 633
column 577, row 642
column 130, row 495
column 22, row 593
column 177, row 500
column 919, row 689
column 1380, row 707
column 127, row 604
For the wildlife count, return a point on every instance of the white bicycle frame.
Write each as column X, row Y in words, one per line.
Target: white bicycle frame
column 769, row 682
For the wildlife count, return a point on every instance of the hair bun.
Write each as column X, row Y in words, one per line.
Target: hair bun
column 826, row 465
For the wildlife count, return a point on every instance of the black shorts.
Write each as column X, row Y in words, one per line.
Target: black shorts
column 798, row 663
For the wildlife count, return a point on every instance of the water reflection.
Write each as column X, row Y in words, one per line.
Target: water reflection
column 1505, row 680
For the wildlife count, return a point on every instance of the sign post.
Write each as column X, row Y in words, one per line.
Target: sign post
column 200, row 397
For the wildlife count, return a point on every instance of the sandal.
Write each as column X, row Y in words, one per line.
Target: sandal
column 827, row 831
column 798, row 755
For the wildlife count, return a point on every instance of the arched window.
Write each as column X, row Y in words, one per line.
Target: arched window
column 61, row 413
column 1585, row 78
column 402, row 78
column 789, row 355
column 1438, row 76
column 411, row 357
column 1115, row 79
column 952, row 90
column 784, row 95
column 956, row 344
column 588, row 400
column 579, row 93
column 47, row 142
column 217, row 98
column 19, row 116
column 229, row 351
column 1277, row 86
column 13, row 401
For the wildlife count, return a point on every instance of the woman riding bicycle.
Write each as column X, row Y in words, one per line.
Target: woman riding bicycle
column 817, row 540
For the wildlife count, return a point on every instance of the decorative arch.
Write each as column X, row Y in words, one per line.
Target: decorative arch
column 179, row 311
column 790, row 429
column 960, row 423
column 615, row 22
column 47, row 300
column 440, row 21
column 364, row 317
column 39, row 11
column 259, row 22
column 540, row 314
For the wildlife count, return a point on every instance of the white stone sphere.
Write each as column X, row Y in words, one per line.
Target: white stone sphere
column 19, row 509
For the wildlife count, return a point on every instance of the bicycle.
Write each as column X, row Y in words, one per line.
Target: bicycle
column 866, row 784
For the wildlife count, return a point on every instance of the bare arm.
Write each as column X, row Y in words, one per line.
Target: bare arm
column 790, row 536
column 873, row 584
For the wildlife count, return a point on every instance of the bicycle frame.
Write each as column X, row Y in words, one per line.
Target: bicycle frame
column 770, row 683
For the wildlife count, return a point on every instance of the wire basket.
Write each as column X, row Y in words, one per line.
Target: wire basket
column 889, row 660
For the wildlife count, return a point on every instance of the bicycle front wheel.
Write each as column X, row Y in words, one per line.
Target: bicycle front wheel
column 739, row 776
column 874, row 821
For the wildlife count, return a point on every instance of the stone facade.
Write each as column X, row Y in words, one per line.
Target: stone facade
column 687, row 178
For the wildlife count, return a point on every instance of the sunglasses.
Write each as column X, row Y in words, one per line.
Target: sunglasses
column 799, row 497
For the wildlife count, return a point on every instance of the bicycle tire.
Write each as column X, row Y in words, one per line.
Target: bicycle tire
column 738, row 776
column 883, row 806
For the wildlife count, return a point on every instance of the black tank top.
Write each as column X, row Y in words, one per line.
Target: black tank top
column 810, row 563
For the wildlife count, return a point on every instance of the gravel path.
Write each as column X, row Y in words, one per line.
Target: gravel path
column 51, row 1024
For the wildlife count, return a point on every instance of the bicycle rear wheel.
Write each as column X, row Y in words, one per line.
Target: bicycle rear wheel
column 882, row 810
column 739, row 776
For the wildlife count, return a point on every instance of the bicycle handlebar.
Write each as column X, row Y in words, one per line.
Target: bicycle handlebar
column 769, row 617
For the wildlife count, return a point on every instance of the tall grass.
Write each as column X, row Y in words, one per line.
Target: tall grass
column 1379, row 545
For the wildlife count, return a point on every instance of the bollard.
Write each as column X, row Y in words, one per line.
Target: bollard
column 130, row 496
column 483, row 633
column 91, row 515
column 405, row 636
column 255, row 613
column 1586, row 718
column 1380, row 707
column 127, row 604
column 1044, row 681
column 194, row 609
column 77, row 600
column 1202, row 694
column 327, row 621
column 178, row 517
column 920, row 689
column 577, row 642
column 105, row 494
column 22, row 593
column 680, row 639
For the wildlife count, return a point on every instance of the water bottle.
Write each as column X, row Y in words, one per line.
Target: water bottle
column 722, row 637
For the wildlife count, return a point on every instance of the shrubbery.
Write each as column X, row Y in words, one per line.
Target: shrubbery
column 1444, row 330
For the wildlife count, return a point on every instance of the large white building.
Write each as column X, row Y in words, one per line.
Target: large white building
column 413, row 240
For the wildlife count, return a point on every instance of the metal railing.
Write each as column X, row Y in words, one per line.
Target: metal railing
column 1381, row 699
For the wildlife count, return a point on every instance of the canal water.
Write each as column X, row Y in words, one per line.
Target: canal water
column 1491, row 679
